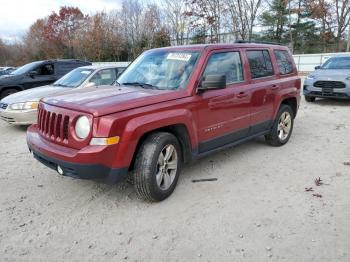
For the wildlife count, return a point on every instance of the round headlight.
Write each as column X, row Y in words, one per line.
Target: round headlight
column 82, row 127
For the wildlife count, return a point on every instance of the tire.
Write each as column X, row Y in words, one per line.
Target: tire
column 8, row 92
column 279, row 136
column 310, row 99
column 154, row 179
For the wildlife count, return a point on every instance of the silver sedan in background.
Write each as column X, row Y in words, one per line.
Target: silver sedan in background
column 21, row 108
column 330, row 80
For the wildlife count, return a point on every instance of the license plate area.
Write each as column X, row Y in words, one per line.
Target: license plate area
column 327, row 91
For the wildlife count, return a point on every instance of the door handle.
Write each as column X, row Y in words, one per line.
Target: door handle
column 242, row 94
column 274, row 87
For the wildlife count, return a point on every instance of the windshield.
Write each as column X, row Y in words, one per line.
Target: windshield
column 167, row 70
column 74, row 78
column 26, row 68
column 337, row 63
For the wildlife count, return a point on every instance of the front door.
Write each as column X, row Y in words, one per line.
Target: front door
column 223, row 114
column 45, row 75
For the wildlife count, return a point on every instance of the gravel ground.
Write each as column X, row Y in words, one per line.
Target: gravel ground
column 257, row 210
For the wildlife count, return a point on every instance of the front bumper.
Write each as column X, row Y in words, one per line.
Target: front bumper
column 19, row 117
column 339, row 93
column 80, row 164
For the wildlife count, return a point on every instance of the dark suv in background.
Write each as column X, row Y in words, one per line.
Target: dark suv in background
column 36, row 74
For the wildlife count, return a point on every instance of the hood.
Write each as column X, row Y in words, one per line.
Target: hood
column 34, row 94
column 106, row 100
column 331, row 74
column 10, row 79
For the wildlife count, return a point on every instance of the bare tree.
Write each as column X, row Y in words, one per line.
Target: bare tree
column 209, row 15
column 177, row 21
column 243, row 14
column 343, row 19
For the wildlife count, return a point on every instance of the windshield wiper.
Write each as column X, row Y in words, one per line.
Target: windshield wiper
column 60, row 85
column 143, row 85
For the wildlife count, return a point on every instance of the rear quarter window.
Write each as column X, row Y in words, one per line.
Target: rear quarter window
column 259, row 63
column 284, row 62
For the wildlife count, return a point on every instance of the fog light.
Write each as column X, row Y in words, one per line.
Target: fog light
column 60, row 170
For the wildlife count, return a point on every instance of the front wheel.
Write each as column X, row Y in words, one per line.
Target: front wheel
column 157, row 167
column 282, row 127
column 7, row 92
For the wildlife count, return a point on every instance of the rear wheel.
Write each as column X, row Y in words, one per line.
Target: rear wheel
column 310, row 98
column 282, row 127
column 8, row 92
column 157, row 167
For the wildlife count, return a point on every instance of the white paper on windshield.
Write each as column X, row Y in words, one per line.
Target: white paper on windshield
column 179, row 56
column 85, row 72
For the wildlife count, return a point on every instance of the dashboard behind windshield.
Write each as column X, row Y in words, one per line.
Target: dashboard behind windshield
column 74, row 78
column 165, row 70
column 26, row 68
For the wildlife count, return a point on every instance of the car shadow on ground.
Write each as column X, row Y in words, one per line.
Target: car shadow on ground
column 124, row 191
column 331, row 102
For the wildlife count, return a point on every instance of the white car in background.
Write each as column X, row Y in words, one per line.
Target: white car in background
column 21, row 108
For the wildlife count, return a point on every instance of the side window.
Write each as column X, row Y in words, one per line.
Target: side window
column 228, row 64
column 284, row 62
column 120, row 70
column 260, row 63
column 104, row 77
column 44, row 70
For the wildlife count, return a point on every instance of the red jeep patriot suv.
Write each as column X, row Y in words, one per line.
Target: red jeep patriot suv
column 172, row 105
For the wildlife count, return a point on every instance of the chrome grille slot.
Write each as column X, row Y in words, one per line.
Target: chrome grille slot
column 54, row 126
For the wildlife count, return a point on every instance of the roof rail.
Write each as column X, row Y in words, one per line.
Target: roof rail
column 257, row 42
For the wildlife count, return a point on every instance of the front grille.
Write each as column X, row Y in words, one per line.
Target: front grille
column 329, row 84
column 3, row 105
column 51, row 125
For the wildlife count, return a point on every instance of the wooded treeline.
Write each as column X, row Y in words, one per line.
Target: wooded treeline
column 307, row 26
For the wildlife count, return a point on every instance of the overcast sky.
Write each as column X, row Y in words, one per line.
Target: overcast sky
column 16, row 16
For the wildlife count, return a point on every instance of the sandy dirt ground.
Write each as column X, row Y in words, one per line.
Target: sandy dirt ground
column 257, row 210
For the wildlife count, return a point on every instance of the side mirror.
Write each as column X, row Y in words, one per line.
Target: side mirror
column 33, row 73
column 212, row 82
column 317, row 67
column 90, row 84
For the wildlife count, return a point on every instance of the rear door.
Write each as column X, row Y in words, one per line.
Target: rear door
column 223, row 114
column 264, row 86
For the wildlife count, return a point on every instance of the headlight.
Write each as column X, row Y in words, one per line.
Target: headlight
column 82, row 127
column 16, row 106
column 30, row 105
column 24, row 106
column 348, row 78
column 311, row 77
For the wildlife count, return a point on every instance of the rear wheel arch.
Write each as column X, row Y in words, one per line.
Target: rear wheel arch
column 292, row 102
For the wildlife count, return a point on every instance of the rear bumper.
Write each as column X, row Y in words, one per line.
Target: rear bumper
column 74, row 163
column 19, row 117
